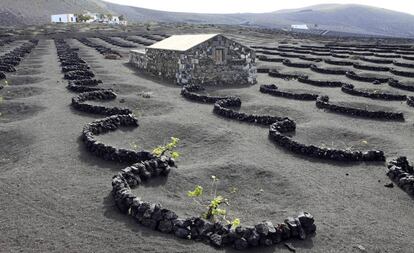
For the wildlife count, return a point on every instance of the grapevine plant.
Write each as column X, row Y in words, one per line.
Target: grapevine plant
column 168, row 149
column 214, row 204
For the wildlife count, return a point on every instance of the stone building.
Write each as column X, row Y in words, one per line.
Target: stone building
column 210, row 59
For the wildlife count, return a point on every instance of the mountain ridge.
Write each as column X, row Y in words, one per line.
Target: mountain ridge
column 349, row 18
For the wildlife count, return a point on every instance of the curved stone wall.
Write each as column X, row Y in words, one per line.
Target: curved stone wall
column 78, row 103
column 402, row 73
column 396, row 84
column 274, row 91
column 402, row 173
column 327, row 71
column 320, row 83
column 375, row 80
column 410, row 101
column 289, row 63
column 350, row 89
column 370, row 67
column 275, row 73
column 281, row 125
column 189, row 92
column 378, row 61
column 403, row 64
column 339, row 63
column 323, row 103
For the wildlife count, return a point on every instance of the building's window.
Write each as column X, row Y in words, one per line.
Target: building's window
column 219, row 55
column 60, row 19
column 71, row 19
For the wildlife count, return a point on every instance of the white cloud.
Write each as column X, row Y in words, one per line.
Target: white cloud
column 256, row 6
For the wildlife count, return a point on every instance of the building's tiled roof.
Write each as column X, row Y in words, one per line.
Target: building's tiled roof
column 182, row 42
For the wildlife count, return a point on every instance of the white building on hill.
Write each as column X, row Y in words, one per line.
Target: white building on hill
column 64, row 18
column 301, row 27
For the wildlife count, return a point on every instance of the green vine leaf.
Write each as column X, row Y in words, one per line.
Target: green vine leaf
column 197, row 192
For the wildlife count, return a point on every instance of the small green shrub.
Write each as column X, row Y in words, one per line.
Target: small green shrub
column 168, row 149
column 215, row 212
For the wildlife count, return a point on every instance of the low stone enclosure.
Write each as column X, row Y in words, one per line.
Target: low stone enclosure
column 278, row 129
column 203, row 59
column 116, row 42
column 138, row 41
column 274, row 91
column 275, row 73
column 402, row 173
column 323, row 103
column 376, row 80
column 345, row 87
column 327, row 70
column 100, row 48
column 350, row 74
column 410, row 101
column 350, row 89
column 332, row 84
column 378, row 61
column 12, row 59
column 78, row 103
column 403, row 64
column 370, row 67
column 399, row 85
column 289, row 63
column 144, row 166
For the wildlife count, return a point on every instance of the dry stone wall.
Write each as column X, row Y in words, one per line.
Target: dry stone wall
column 197, row 65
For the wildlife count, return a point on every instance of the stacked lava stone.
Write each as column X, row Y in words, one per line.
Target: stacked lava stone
column 410, row 101
column 350, row 89
column 317, row 69
column 402, row 173
column 323, row 103
column 276, row 134
column 370, row 67
column 78, row 103
column 116, row 42
column 320, row 83
column 396, row 84
column 275, row 73
column 273, row 90
column 108, row 152
column 402, row 73
column 155, row 217
column 76, row 70
column 101, row 49
column 339, row 63
column 220, row 108
column 289, row 63
column 10, row 60
column 378, row 61
column 375, row 80
column 189, row 92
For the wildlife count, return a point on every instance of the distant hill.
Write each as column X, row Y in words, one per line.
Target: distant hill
column 33, row 12
column 348, row 18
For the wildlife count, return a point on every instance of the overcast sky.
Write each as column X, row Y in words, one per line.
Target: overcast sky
column 234, row 6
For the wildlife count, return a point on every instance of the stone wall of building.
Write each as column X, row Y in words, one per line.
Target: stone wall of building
column 138, row 59
column 198, row 66
column 162, row 63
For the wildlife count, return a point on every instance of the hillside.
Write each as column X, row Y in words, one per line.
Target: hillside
column 334, row 17
column 344, row 18
column 40, row 10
